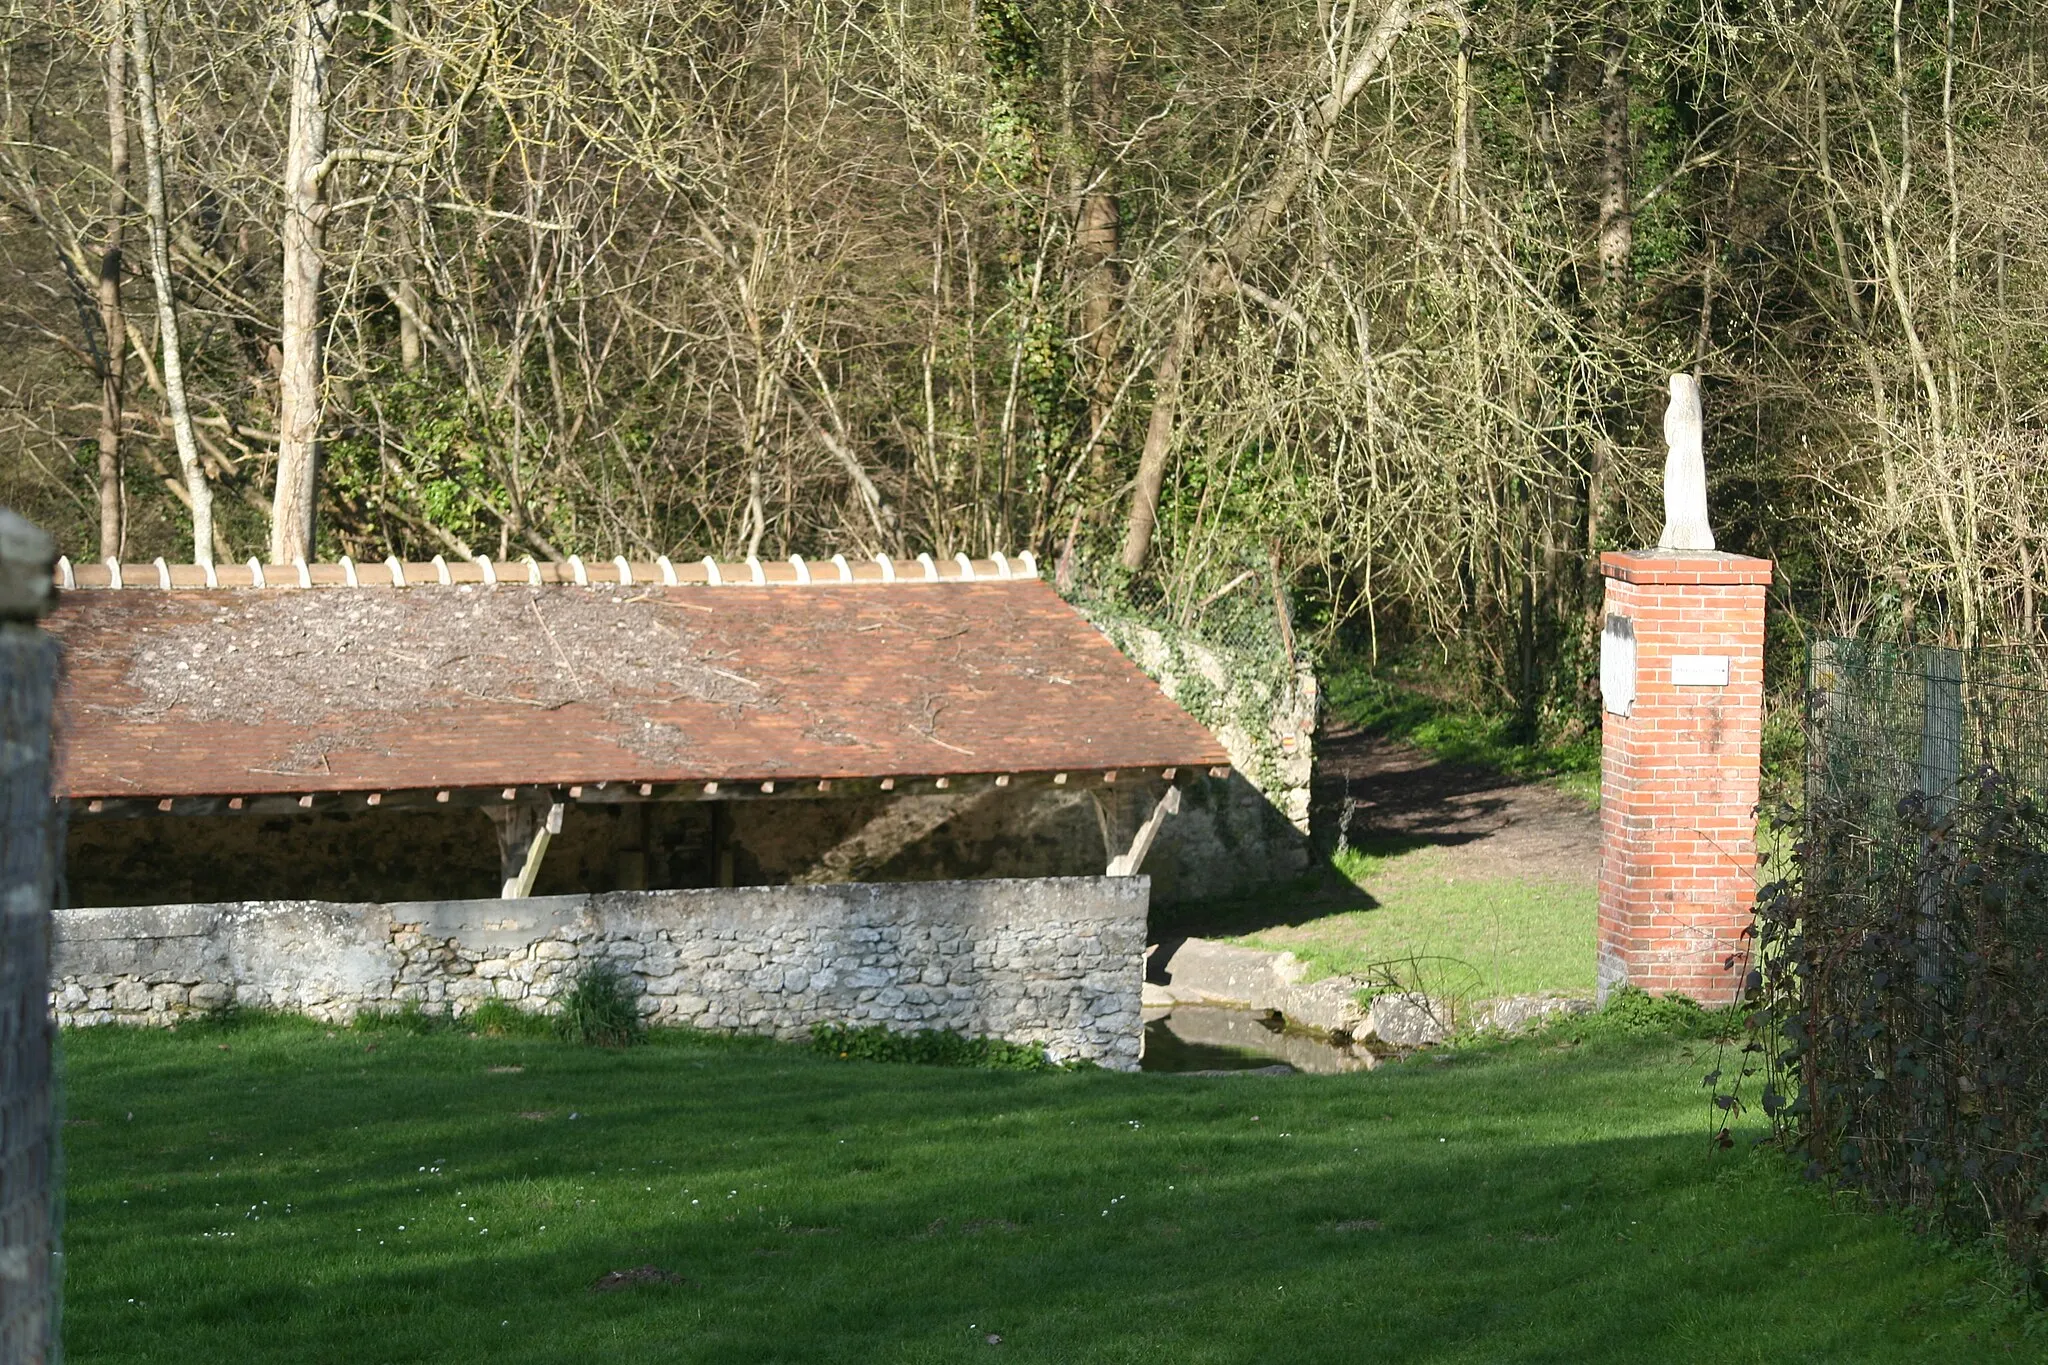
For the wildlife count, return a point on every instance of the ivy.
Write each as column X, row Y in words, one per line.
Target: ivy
column 1259, row 679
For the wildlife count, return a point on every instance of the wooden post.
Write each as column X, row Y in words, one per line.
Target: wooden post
column 1941, row 766
column 1127, row 863
column 524, row 830
column 31, row 835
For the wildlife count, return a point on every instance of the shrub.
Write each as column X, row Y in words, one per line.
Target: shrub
column 226, row 1017
column 1634, row 1013
column 1637, row 1013
column 1902, row 1033
column 928, row 1047
column 600, row 1008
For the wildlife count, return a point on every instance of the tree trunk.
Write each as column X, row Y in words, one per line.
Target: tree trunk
column 1144, row 513
column 196, row 487
column 405, row 296
column 1617, row 213
column 1303, row 156
column 113, row 324
column 300, row 372
column 1098, row 231
column 410, row 353
column 1616, row 247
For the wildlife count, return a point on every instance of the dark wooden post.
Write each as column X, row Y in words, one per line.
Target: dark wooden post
column 30, row 841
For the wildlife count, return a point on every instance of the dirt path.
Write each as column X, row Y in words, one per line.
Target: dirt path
column 1485, row 823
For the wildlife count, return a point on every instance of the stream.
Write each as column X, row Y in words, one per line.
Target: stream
column 1210, row 1039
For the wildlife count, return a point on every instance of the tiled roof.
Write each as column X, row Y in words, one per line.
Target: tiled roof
column 475, row 676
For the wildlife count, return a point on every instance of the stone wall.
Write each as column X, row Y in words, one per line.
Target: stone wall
column 1251, row 830
column 1265, row 721
column 1056, row 961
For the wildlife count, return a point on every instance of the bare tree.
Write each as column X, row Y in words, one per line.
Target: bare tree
column 198, row 491
column 1309, row 130
column 113, row 322
column 301, row 376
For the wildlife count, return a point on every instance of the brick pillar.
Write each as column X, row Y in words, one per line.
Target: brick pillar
column 1682, row 673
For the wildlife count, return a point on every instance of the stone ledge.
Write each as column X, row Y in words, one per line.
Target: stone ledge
column 1200, row 972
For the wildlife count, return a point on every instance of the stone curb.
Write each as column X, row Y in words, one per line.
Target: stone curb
column 1202, row 972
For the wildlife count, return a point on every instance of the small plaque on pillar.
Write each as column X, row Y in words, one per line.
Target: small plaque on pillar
column 1618, row 665
column 1699, row 670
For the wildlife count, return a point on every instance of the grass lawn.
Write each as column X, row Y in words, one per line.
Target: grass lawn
column 1471, row 937
column 1406, row 914
column 281, row 1192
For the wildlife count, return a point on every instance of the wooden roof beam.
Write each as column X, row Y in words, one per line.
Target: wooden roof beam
column 617, row 793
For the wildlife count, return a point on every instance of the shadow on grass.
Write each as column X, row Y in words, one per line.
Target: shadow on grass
column 1325, row 889
column 1518, row 1203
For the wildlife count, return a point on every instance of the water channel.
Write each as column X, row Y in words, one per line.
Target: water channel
column 1209, row 1039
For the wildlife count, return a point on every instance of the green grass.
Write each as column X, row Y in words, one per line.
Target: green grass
column 1470, row 937
column 1460, row 733
column 282, row 1192
column 1389, row 910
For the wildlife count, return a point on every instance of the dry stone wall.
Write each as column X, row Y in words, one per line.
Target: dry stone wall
column 1053, row 961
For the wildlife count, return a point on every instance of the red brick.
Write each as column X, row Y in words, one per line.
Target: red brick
column 1679, row 776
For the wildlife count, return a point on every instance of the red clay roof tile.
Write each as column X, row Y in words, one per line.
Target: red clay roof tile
column 230, row 691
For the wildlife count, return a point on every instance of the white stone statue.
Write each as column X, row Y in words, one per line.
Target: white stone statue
column 1685, row 470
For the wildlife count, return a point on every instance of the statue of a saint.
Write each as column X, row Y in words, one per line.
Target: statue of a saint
column 1685, row 471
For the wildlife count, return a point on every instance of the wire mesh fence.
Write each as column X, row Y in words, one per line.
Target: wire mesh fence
column 1905, row 962
column 29, row 842
column 1887, row 721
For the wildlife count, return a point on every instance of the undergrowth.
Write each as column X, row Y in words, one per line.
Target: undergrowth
column 599, row 1009
column 929, row 1047
column 1633, row 1013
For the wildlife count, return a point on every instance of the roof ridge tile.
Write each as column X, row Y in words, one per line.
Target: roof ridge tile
column 440, row 571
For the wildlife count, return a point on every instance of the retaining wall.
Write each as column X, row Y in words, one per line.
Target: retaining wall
column 1055, row 961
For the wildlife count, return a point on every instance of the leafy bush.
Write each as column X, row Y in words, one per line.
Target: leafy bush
column 227, row 1017
column 600, row 1008
column 928, row 1047
column 1635, row 1013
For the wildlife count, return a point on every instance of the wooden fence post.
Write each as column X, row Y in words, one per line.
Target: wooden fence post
column 30, row 835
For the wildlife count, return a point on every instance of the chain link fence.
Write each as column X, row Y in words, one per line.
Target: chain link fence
column 1904, row 963
column 30, row 840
